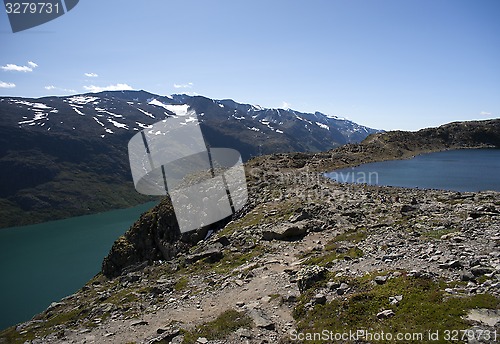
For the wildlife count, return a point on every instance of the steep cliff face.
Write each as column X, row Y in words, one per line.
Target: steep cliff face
column 155, row 236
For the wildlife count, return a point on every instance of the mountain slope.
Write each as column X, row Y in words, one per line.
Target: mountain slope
column 67, row 156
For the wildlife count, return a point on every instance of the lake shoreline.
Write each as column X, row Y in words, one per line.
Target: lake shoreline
column 425, row 171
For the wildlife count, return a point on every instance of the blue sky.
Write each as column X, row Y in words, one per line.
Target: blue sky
column 404, row 64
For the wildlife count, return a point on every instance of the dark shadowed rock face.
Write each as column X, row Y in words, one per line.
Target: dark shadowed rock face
column 155, row 236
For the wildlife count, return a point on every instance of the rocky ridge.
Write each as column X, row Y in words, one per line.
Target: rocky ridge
column 306, row 254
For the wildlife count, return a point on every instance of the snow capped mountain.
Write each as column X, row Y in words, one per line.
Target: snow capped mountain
column 67, row 156
column 122, row 113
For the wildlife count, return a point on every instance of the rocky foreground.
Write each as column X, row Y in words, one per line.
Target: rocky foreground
column 307, row 260
column 309, row 254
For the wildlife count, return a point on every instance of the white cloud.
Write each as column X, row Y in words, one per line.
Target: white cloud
column 188, row 85
column 91, row 75
column 7, row 84
column 60, row 89
column 15, row 68
column 484, row 113
column 117, row 87
column 285, row 105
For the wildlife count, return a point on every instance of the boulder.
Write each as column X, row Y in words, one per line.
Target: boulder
column 309, row 275
column 285, row 231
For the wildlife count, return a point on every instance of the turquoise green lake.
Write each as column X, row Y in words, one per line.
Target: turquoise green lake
column 42, row 263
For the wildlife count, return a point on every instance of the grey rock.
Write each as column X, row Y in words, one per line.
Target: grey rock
column 467, row 276
column 385, row 314
column 392, row 257
column 177, row 340
column 212, row 255
column 454, row 264
column 319, row 299
column 481, row 270
column 244, row 333
column 489, row 317
column 139, row 323
column 381, row 279
column 165, row 335
column 131, row 278
column 394, row 300
column 260, row 320
column 224, row 241
column 303, row 215
column 332, row 285
column 290, row 298
column 54, row 305
column 406, row 208
column 309, row 275
column 285, row 231
column 344, row 287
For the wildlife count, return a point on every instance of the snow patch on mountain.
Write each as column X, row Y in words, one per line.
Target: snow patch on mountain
column 321, row 125
column 95, row 118
column 82, row 100
column 144, row 126
column 179, row 110
column 35, row 106
column 146, row 113
column 118, row 124
column 78, row 111
column 108, row 112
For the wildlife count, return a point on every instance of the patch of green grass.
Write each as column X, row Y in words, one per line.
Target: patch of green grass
column 354, row 236
column 424, row 307
column 181, row 283
column 69, row 318
column 121, row 297
column 226, row 323
column 274, row 296
column 10, row 335
column 334, row 252
column 229, row 262
column 280, row 211
column 437, row 234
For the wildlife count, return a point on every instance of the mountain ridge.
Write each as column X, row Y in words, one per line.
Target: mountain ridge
column 67, row 156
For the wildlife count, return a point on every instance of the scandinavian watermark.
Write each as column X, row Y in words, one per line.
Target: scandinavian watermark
column 355, row 177
column 307, row 185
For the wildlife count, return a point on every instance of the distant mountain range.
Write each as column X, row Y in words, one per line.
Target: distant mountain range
column 67, row 156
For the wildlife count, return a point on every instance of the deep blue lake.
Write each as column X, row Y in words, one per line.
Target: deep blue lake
column 457, row 170
column 42, row 263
